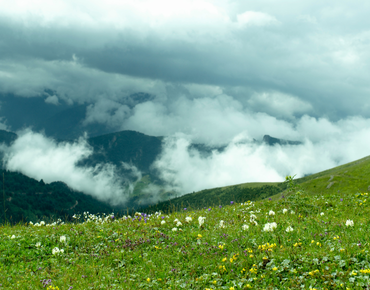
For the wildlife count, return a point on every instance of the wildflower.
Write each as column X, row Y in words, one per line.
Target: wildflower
column 188, row 219
column 349, row 223
column 179, row 224
column 38, row 244
column 274, row 269
column 148, row 279
column 252, row 219
column 289, row 229
column 271, row 212
column 163, row 222
column 322, row 214
column 269, row 227
column 199, row 236
column 13, row 237
column 201, row 220
column 285, row 211
column 231, row 202
column 245, row 227
column 56, row 251
column 222, row 224
column 174, row 229
column 63, row 239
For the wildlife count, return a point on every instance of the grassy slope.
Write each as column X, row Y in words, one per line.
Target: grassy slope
column 321, row 251
column 347, row 178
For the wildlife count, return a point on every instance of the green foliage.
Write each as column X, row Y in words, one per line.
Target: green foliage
column 27, row 199
column 218, row 196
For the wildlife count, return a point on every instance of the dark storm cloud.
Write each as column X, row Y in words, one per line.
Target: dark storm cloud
column 316, row 52
column 211, row 72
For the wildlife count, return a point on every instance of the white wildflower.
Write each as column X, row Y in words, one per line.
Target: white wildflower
column 174, row 229
column 269, row 227
column 63, row 239
column 163, row 222
column 292, row 212
column 245, row 227
column 38, row 245
column 188, row 219
column 289, row 229
column 201, row 220
column 322, row 214
column 271, row 212
column 176, row 220
column 285, row 211
column 13, row 237
column 56, row 251
column 222, row 224
column 42, row 223
column 349, row 223
column 179, row 224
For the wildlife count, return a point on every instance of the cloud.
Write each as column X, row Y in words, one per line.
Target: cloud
column 52, row 100
column 93, row 50
column 279, row 104
column 42, row 158
column 255, row 18
column 214, row 70
column 325, row 145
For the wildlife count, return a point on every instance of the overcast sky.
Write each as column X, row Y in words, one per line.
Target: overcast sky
column 298, row 70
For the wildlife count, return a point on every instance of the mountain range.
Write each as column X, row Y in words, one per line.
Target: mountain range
column 22, row 194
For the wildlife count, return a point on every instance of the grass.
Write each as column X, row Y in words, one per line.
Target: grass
column 232, row 249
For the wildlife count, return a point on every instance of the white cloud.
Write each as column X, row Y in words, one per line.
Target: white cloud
column 52, row 100
column 41, row 158
column 107, row 112
column 255, row 18
column 332, row 144
column 71, row 80
column 279, row 104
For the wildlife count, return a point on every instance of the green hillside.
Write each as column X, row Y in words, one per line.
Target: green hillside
column 300, row 242
column 26, row 199
column 347, row 178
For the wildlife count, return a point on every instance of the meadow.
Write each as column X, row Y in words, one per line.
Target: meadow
column 297, row 241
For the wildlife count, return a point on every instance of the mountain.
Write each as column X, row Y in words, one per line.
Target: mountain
column 267, row 139
column 27, row 199
column 130, row 147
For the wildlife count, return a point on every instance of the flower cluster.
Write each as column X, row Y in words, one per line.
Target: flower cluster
column 269, row 227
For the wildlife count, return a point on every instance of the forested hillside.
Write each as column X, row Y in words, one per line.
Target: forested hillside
column 26, row 199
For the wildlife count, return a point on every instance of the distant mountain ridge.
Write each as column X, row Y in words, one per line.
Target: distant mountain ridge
column 131, row 147
column 267, row 139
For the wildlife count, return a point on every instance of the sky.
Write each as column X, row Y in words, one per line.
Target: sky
column 217, row 72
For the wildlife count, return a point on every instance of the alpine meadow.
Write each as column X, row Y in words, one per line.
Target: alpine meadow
column 188, row 144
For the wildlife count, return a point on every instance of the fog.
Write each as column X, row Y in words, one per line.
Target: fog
column 40, row 157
